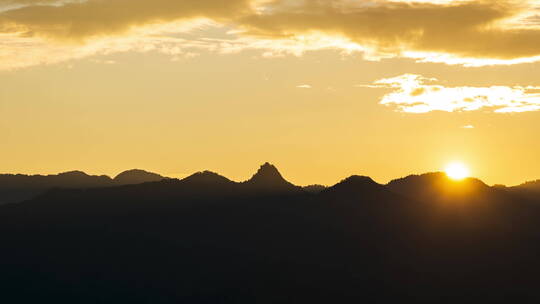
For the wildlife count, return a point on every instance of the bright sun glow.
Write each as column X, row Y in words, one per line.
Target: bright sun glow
column 457, row 171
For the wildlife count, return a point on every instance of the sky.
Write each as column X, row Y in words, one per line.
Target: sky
column 323, row 89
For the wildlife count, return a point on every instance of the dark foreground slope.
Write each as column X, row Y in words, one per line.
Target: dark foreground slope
column 206, row 239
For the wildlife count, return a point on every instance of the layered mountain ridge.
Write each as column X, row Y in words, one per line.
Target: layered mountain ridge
column 430, row 186
column 208, row 239
column 19, row 187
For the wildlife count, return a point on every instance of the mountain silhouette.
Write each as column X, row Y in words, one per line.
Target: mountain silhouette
column 314, row 188
column 355, row 186
column 532, row 185
column 268, row 179
column 529, row 190
column 207, row 239
column 18, row 187
column 207, row 177
column 268, row 174
column 439, row 188
column 136, row 176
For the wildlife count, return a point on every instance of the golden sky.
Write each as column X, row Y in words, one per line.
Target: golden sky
column 321, row 88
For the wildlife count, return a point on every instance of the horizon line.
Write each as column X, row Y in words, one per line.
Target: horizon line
column 233, row 180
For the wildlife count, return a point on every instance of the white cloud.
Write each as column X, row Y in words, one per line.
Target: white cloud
column 304, row 86
column 417, row 94
column 468, row 127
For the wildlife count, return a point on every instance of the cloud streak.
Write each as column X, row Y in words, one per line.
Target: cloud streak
column 86, row 19
column 21, row 52
column 417, row 94
column 469, row 32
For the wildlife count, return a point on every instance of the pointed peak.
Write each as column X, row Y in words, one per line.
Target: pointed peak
column 269, row 178
column 267, row 174
column 268, row 166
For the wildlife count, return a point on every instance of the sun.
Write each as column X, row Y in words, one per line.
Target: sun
column 457, row 171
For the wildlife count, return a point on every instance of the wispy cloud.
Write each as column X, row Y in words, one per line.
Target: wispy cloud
column 417, row 94
column 22, row 52
column 176, row 40
column 304, row 86
column 468, row 127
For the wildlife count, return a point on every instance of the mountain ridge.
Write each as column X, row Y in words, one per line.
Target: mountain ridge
column 356, row 241
column 19, row 187
column 434, row 186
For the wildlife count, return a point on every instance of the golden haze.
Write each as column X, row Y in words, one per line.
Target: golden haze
column 181, row 86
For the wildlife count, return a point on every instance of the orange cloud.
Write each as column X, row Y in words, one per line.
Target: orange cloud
column 463, row 29
column 90, row 18
column 465, row 32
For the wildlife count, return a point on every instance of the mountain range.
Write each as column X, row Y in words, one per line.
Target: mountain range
column 207, row 239
column 18, row 187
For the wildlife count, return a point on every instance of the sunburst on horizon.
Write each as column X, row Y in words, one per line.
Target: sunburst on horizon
column 457, row 171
